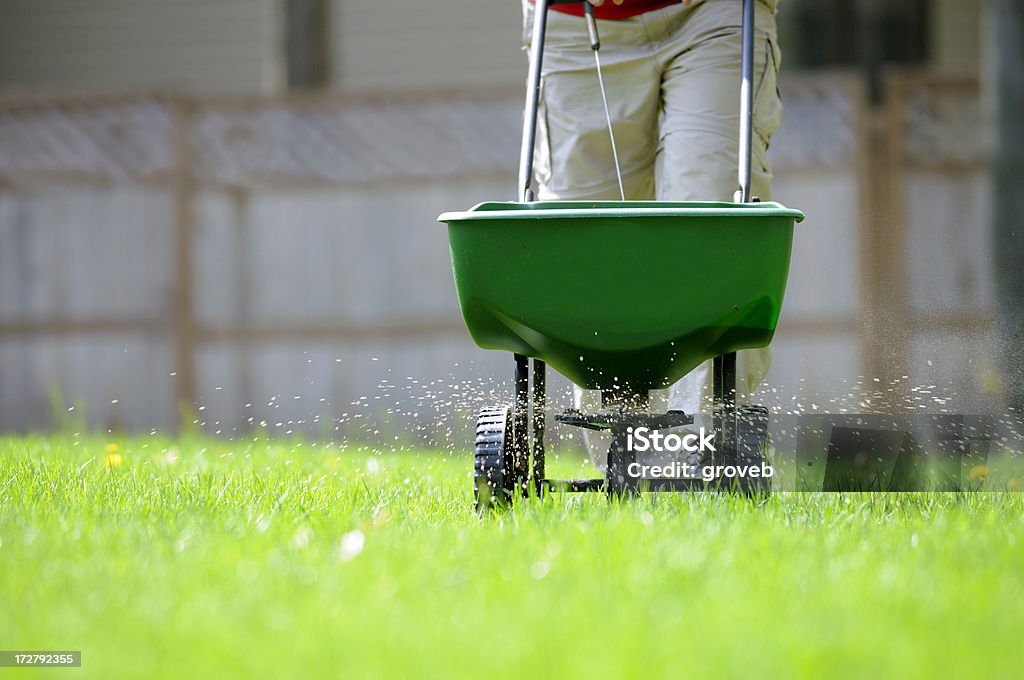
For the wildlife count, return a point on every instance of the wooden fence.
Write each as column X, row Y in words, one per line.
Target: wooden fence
column 236, row 254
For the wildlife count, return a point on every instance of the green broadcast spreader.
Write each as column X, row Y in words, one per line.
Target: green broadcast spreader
column 629, row 295
column 618, row 296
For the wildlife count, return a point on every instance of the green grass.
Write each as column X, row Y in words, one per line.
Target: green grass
column 196, row 559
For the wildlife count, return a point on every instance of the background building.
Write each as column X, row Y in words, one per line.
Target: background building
column 271, row 46
column 230, row 204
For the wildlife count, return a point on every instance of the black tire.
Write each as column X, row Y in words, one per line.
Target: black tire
column 494, row 480
column 751, row 443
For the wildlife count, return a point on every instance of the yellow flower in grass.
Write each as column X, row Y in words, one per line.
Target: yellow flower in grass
column 1013, row 484
column 978, row 472
column 113, row 458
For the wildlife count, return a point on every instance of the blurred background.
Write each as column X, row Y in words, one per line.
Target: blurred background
column 223, row 211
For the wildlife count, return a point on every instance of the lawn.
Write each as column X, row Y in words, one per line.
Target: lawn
column 195, row 558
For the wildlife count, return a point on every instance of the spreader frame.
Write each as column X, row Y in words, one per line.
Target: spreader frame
column 624, row 406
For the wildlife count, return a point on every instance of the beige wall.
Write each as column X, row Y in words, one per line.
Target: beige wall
column 956, row 35
column 410, row 44
column 111, row 45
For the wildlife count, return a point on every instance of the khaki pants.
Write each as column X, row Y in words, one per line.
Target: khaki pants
column 673, row 82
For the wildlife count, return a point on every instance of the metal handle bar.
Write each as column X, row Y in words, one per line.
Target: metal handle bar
column 746, row 103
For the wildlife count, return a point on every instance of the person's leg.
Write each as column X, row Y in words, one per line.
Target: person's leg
column 573, row 158
column 699, row 140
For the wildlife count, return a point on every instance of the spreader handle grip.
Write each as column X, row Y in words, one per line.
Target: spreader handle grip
column 746, row 103
column 540, row 18
column 588, row 12
column 529, row 138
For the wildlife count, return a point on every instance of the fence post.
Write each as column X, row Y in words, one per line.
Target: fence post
column 885, row 310
column 184, row 323
column 1007, row 33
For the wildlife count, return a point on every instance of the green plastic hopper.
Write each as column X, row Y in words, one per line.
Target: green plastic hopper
column 625, row 294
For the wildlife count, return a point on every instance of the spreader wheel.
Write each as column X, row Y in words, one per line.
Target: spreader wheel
column 751, row 443
column 494, row 476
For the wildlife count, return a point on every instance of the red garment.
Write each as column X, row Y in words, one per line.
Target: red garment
column 609, row 10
